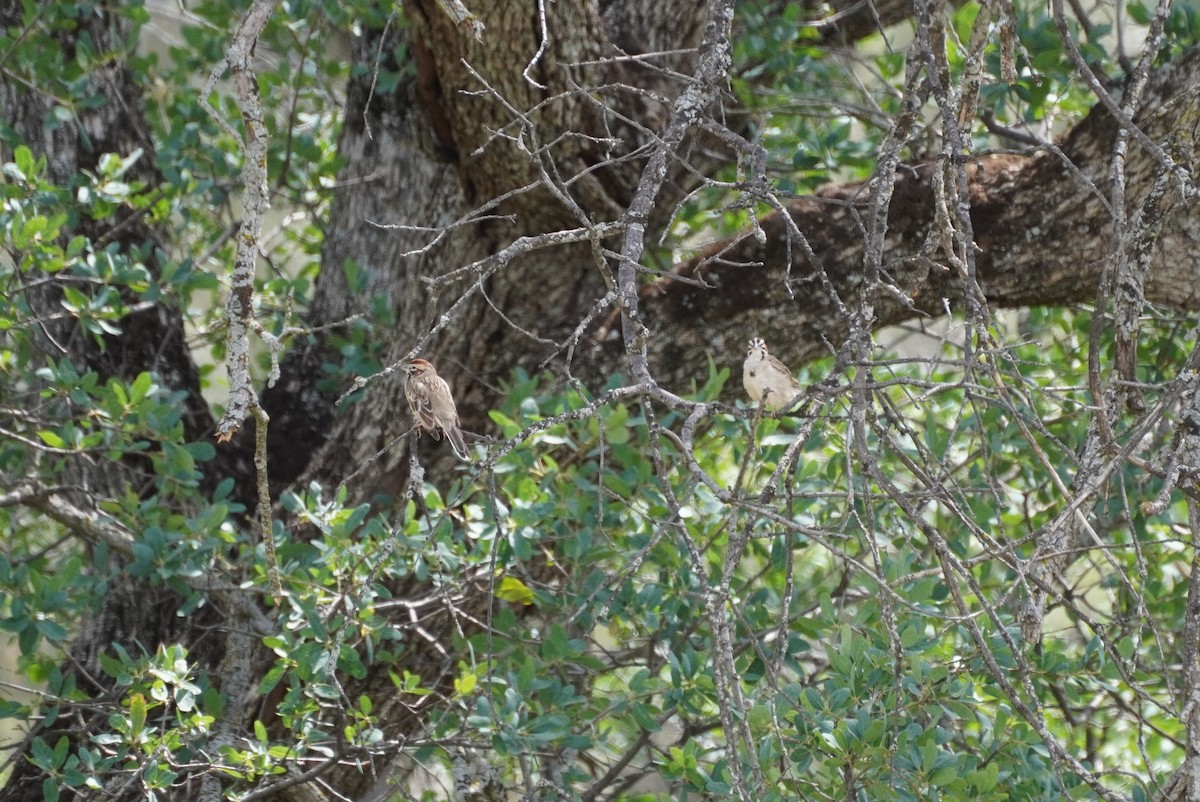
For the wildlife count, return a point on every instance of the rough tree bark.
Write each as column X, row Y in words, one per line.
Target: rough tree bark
column 1040, row 226
column 490, row 140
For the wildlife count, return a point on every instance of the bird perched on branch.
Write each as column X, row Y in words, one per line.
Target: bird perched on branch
column 767, row 379
column 432, row 405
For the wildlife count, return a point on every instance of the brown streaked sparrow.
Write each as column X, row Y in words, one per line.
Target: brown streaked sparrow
column 767, row 379
column 432, row 405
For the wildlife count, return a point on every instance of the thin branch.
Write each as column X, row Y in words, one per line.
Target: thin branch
column 239, row 305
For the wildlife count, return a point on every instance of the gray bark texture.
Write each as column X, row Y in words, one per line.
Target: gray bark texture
column 1040, row 224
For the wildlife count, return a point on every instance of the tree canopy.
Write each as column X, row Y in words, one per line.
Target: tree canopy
column 956, row 567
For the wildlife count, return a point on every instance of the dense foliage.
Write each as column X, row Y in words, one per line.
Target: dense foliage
column 688, row 605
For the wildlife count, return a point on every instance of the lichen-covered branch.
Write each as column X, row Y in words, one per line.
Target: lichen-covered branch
column 239, row 305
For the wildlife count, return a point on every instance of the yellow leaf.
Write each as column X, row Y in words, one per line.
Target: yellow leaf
column 464, row 684
column 514, row 590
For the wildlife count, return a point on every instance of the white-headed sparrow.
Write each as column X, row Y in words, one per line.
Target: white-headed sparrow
column 767, row 379
column 432, row 405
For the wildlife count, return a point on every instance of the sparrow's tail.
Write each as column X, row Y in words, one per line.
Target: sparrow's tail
column 454, row 435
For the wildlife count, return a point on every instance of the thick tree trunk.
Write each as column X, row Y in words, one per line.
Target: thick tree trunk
column 1041, row 235
column 433, row 156
column 1040, row 224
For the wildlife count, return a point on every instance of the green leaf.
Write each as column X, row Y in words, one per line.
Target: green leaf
column 140, row 387
column 137, row 716
column 985, row 779
column 52, row 439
